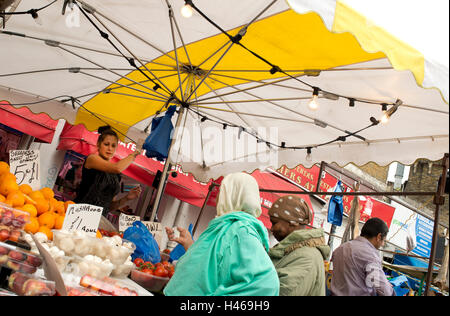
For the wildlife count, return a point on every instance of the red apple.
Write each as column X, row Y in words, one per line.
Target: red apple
column 34, row 287
column 3, row 251
column 15, row 235
column 13, row 265
column 4, row 234
column 17, row 256
column 26, row 268
column 34, row 261
column 16, row 281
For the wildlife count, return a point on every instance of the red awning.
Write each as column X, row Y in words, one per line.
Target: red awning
column 268, row 181
column 184, row 187
column 40, row 126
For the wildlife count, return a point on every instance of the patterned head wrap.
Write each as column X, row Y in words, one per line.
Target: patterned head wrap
column 291, row 209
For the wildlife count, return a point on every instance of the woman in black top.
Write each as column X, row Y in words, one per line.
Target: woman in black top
column 101, row 178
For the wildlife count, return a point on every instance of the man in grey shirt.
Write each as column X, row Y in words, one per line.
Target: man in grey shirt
column 357, row 265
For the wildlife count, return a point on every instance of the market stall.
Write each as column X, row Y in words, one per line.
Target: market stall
column 248, row 93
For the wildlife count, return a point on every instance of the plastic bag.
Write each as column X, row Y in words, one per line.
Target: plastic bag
column 336, row 207
column 146, row 246
column 179, row 250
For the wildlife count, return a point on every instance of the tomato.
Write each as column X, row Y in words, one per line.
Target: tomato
column 138, row 262
column 161, row 272
column 148, row 271
column 165, row 263
column 171, row 272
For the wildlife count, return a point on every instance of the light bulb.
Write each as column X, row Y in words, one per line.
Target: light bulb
column 313, row 105
column 385, row 119
column 308, row 155
column 186, row 11
column 36, row 17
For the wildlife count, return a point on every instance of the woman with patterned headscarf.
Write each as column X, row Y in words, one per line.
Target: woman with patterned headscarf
column 230, row 256
column 299, row 257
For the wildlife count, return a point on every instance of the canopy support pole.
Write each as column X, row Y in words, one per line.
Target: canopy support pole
column 211, row 188
column 164, row 177
column 439, row 200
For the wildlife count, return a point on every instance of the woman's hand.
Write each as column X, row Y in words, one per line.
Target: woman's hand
column 134, row 193
column 185, row 238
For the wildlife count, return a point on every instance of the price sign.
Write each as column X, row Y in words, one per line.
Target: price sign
column 83, row 217
column 126, row 221
column 24, row 164
column 155, row 229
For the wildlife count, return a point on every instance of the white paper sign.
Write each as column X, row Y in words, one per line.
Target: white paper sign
column 126, row 221
column 24, row 164
column 83, row 217
column 155, row 229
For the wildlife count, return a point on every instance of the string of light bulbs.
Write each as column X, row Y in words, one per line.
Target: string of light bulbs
column 187, row 11
column 33, row 12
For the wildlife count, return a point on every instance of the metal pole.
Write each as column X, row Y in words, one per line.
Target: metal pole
column 438, row 201
column 352, row 193
column 163, row 180
column 211, row 188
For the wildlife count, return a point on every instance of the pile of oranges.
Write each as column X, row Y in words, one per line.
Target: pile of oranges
column 46, row 213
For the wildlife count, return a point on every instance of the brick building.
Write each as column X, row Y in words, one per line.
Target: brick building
column 423, row 176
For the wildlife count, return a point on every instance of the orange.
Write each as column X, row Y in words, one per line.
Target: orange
column 36, row 195
column 42, row 206
column 47, row 231
column 7, row 176
column 47, row 219
column 25, row 188
column 59, row 208
column 4, row 167
column 17, row 198
column 7, row 186
column 48, row 193
column 29, row 208
column 99, row 235
column 59, row 221
column 33, row 226
column 29, row 200
column 2, row 199
column 67, row 203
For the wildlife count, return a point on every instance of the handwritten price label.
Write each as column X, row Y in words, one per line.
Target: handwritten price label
column 83, row 217
column 156, row 229
column 24, row 164
column 126, row 221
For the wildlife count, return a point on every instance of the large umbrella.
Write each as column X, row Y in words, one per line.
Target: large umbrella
column 244, row 72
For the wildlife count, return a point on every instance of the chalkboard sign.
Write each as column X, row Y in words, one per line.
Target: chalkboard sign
column 83, row 217
column 24, row 164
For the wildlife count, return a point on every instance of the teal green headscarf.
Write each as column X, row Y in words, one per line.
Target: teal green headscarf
column 230, row 257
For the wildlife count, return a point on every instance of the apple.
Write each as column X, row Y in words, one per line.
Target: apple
column 34, row 261
column 15, row 235
column 4, row 234
column 3, row 251
column 7, row 218
column 19, row 221
column 25, row 268
column 13, row 265
column 3, row 259
column 16, row 281
column 34, row 287
column 17, row 256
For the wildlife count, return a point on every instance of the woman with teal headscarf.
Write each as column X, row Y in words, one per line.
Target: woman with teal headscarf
column 230, row 256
